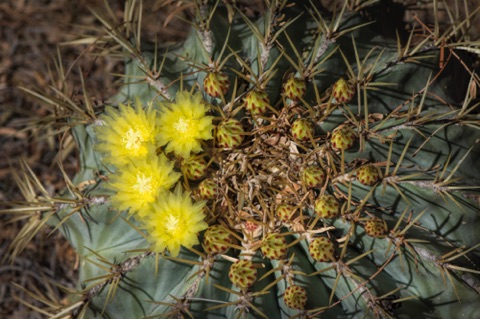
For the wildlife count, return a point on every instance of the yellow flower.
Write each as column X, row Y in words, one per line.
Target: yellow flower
column 183, row 124
column 174, row 221
column 127, row 134
column 139, row 183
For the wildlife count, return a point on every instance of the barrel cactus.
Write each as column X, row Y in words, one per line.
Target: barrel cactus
column 286, row 163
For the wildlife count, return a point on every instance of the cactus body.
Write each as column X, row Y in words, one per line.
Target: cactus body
column 397, row 235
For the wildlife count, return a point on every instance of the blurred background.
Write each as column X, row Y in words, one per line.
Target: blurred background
column 36, row 38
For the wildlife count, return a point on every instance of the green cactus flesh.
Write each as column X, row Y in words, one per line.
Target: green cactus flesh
column 404, row 114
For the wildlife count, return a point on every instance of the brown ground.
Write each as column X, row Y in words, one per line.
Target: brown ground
column 30, row 32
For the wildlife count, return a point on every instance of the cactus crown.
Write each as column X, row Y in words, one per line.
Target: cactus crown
column 321, row 170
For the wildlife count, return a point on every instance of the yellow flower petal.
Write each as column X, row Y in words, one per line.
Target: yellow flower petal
column 174, row 221
column 139, row 183
column 127, row 133
column 183, row 124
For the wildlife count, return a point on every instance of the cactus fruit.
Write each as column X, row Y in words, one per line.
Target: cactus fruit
column 376, row 227
column 295, row 297
column 343, row 138
column 313, row 176
column 207, row 189
column 327, row 206
column 368, row 175
column 302, row 129
column 285, row 212
column 274, row 246
column 322, row 249
column 343, row 91
column 261, row 225
column 216, row 239
column 194, row 167
column 257, row 102
column 243, row 273
column 216, row 84
column 294, row 88
column 229, row 133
